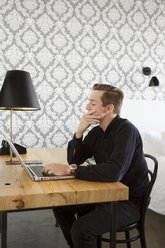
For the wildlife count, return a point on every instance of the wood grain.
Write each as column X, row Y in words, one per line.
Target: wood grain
column 18, row 191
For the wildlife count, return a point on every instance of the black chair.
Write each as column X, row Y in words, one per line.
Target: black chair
column 140, row 225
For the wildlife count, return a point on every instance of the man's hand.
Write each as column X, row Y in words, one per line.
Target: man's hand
column 56, row 169
column 87, row 120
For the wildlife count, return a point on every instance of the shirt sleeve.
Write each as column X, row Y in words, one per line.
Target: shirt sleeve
column 118, row 161
column 79, row 150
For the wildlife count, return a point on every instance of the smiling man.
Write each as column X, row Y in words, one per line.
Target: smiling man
column 116, row 146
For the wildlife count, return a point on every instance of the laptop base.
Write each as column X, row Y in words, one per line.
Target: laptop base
column 11, row 162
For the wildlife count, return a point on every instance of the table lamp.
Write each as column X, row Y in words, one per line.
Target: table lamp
column 17, row 93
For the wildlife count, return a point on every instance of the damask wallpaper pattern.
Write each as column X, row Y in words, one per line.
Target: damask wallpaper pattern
column 67, row 46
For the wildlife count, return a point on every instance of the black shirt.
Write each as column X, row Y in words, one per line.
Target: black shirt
column 118, row 153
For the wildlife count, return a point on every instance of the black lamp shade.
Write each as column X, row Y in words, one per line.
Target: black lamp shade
column 154, row 82
column 18, row 92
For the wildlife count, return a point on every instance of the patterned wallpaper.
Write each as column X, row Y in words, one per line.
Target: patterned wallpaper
column 67, row 46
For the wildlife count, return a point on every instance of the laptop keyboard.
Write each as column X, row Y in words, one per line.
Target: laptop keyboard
column 37, row 169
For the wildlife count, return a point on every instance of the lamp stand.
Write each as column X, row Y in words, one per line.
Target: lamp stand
column 11, row 162
column 15, row 162
column 11, row 137
column 11, row 134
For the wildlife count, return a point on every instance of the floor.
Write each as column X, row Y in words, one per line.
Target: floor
column 36, row 229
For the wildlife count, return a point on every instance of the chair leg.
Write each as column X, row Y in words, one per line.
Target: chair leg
column 127, row 236
column 142, row 238
column 99, row 241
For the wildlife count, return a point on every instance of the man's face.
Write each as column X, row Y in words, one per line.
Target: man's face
column 95, row 103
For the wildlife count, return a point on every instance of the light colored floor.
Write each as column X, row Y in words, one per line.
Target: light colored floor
column 36, row 229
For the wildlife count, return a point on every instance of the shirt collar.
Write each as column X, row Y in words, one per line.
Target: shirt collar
column 112, row 124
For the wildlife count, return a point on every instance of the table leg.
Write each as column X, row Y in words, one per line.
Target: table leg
column 113, row 225
column 3, row 229
column 0, row 220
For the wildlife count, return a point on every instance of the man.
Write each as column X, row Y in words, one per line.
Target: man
column 116, row 146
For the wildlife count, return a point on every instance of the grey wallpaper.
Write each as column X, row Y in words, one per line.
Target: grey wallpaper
column 67, row 46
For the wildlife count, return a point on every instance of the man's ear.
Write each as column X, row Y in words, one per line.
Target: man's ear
column 109, row 108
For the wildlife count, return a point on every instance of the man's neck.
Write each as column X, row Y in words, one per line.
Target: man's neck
column 106, row 121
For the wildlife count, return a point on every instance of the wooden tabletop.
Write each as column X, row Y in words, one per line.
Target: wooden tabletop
column 18, row 191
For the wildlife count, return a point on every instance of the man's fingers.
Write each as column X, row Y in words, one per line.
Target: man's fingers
column 44, row 170
column 50, row 172
column 90, row 112
column 93, row 118
column 93, row 121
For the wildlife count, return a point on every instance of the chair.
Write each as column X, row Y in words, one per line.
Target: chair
column 140, row 225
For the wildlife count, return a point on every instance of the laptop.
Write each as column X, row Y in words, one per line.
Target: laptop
column 35, row 170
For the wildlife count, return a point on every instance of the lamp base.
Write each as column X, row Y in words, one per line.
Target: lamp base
column 25, row 161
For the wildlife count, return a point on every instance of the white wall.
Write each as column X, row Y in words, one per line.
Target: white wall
column 146, row 115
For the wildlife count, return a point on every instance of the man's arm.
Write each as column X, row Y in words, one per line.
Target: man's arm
column 117, row 163
column 75, row 147
column 77, row 151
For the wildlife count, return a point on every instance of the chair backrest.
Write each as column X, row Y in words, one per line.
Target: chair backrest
column 152, row 178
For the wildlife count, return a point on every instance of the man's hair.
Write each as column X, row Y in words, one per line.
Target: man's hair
column 111, row 95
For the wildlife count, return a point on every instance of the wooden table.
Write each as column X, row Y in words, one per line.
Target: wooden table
column 19, row 192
